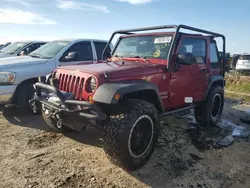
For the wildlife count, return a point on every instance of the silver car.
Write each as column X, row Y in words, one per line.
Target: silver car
column 20, row 48
column 243, row 63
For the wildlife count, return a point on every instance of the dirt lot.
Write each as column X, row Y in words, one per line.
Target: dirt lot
column 31, row 155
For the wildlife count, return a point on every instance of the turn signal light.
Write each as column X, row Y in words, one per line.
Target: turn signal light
column 90, row 99
column 117, row 96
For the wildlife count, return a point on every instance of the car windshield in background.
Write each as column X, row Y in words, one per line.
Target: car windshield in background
column 12, row 48
column 144, row 46
column 244, row 57
column 50, row 49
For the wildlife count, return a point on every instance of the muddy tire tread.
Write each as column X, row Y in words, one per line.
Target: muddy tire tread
column 113, row 132
column 202, row 112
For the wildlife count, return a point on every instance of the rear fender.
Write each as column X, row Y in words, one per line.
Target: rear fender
column 214, row 80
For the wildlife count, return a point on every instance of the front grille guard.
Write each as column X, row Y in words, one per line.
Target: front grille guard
column 87, row 110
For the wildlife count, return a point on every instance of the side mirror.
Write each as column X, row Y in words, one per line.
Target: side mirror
column 185, row 59
column 107, row 54
column 72, row 56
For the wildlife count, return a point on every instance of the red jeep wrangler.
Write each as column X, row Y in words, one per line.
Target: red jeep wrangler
column 147, row 76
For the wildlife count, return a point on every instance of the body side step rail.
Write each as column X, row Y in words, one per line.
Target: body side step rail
column 175, row 111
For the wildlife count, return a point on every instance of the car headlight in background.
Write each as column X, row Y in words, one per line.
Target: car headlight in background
column 91, row 84
column 7, row 78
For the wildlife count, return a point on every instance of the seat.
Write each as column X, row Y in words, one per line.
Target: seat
column 198, row 58
column 182, row 50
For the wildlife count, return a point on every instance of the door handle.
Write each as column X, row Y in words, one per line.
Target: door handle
column 203, row 70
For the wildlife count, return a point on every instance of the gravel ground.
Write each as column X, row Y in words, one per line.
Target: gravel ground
column 32, row 155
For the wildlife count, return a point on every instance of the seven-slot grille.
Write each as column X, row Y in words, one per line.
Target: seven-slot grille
column 72, row 84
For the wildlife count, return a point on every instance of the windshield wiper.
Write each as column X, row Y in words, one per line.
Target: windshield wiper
column 137, row 56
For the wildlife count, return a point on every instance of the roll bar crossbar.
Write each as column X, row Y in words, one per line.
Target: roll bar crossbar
column 177, row 31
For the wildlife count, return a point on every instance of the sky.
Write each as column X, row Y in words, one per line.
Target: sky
column 56, row 19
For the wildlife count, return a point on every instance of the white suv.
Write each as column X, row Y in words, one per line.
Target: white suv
column 18, row 74
column 243, row 63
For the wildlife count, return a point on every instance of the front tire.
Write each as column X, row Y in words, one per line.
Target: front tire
column 131, row 135
column 24, row 93
column 210, row 111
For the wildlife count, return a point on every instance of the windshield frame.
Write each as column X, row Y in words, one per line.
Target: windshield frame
column 16, row 50
column 37, row 54
column 153, row 35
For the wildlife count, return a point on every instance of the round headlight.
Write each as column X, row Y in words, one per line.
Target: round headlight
column 91, row 84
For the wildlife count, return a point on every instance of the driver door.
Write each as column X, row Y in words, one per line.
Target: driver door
column 84, row 54
column 189, row 83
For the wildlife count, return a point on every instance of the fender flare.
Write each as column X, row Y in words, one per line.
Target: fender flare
column 106, row 92
column 212, row 81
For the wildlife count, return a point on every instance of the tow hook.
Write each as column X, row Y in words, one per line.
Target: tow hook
column 59, row 123
column 33, row 106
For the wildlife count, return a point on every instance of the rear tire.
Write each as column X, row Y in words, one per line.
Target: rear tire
column 210, row 111
column 131, row 135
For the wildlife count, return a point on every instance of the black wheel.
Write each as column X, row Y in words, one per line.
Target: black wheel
column 54, row 124
column 209, row 112
column 24, row 93
column 131, row 135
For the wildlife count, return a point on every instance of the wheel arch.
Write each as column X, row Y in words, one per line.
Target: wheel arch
column 214, row 81
column 30, row 80
column 142, row 90
column 148, row 95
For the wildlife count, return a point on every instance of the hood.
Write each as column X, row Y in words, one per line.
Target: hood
column 16, row 61
column 3, row 55
column 118, row 69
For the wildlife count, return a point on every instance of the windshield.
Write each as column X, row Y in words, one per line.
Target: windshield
column 144, row 46
column 244, row 57
column 50, row 49
column 12, row 48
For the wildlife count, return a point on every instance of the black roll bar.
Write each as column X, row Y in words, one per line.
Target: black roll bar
column 173, row 43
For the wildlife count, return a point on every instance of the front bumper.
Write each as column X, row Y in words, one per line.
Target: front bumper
column 86, row 112
column 6, row 93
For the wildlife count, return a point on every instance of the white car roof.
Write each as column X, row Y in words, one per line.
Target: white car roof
column 83, row 39
column 30, row 41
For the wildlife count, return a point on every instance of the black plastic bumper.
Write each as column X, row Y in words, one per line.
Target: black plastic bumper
column 88, row 111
